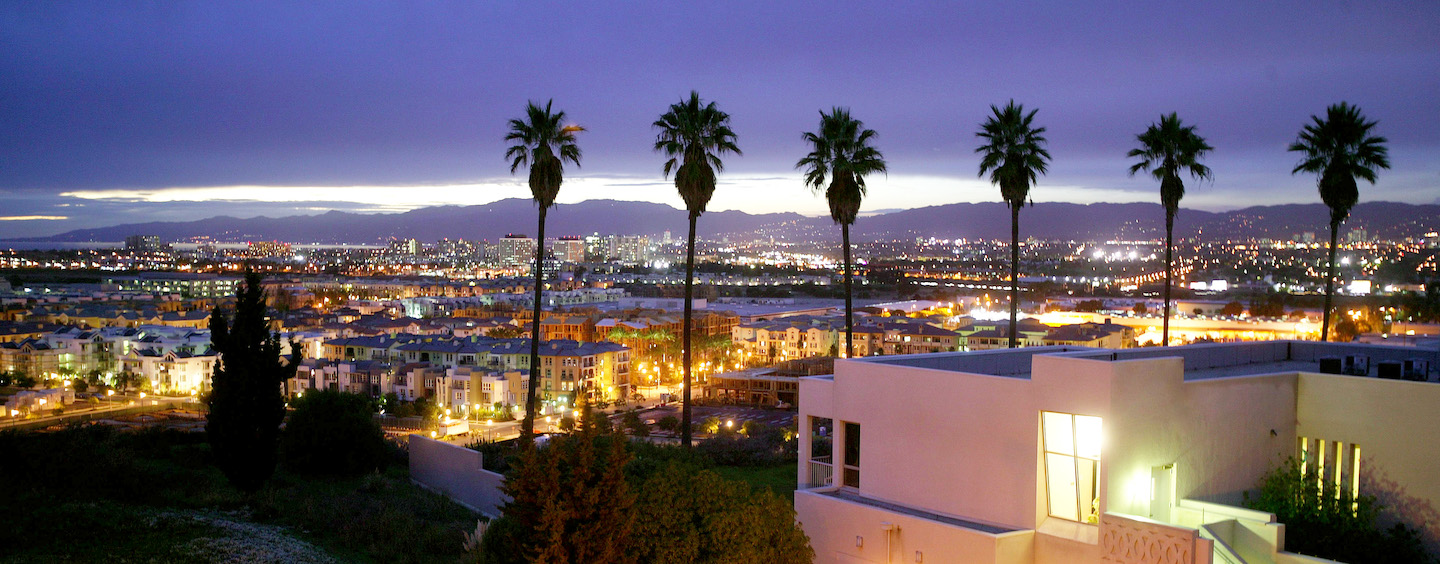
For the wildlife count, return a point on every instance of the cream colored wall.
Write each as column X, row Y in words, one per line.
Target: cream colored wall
column 1216, row 432
column 961, row 437
column 833, row 526
column 969, row 444
column 942, row 440
column 1397, row 425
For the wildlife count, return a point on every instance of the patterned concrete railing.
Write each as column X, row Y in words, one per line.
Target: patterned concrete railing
column 1127, row 539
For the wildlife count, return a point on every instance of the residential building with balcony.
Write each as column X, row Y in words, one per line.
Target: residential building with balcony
column 179, row 370
column 807, row 336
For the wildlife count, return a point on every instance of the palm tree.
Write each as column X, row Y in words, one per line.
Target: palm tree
column 1167, row 149
column 542, row 142
column 1014, row 154
column 841, row 150
column 693, row 135
column 1339, row 149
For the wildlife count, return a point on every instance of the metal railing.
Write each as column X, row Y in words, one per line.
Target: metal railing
column 822, row 473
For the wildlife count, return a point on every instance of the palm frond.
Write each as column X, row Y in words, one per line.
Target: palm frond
column 1169, row 148
column 1013, row 151
column 694, row 134
column 841, row 151
column 542, row 142
column 1339, row 149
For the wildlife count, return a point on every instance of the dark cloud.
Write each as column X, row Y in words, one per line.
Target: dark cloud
column 125, row 95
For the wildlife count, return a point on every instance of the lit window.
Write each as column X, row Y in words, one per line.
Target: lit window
column 1072, row 465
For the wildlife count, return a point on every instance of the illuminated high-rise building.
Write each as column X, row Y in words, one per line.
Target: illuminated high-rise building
column 516, row 250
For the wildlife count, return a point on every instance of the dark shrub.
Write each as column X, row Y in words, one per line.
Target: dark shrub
column 633, row 425
column 333, row 432
column 1321, row 520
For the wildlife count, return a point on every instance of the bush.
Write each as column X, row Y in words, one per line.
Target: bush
column 633, row 425
column 80, row 385
column 569, row 502
column 428, row 409
column 712, row 425
column 496, row 456
column 333, row 432
column 390, row 403
column 668, row 423
column 693, row 515
column 1320, row 521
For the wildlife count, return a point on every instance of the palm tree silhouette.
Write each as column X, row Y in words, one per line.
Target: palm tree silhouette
column 693, row 135
column 1014, row 154
column 541, row 141
column 1167, row 149
column 841, row 150
column 1339, row 149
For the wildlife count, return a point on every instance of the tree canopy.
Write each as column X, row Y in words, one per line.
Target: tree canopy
column 246, row 403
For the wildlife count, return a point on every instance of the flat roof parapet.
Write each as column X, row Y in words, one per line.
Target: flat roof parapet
column 1014, row 363
column 1202, row 361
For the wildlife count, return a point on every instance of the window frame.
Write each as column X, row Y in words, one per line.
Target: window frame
column 1063, row 449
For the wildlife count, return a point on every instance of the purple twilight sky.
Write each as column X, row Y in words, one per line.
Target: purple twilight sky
column 124, row 112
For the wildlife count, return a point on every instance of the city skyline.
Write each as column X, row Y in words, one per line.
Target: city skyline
column 121, row 115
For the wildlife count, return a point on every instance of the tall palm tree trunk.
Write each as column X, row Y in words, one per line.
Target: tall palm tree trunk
column 689, row 310
column 1169, row 249
column 1329, row 283
column 849, row 310
column 527, row 427
column 1014, row 271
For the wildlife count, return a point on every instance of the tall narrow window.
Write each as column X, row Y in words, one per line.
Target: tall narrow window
column 852, row 455
column 1072, row 465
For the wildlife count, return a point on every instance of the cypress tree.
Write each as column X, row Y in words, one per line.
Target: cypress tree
column 246, row 400
column 569, row 501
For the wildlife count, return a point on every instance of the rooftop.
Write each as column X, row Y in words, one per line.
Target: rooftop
column 1203, row 361
column 915, row 512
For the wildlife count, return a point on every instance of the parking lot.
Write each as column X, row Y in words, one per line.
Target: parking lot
column 738, row 414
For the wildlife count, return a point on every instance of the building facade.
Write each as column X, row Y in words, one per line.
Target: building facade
column 1080, row 455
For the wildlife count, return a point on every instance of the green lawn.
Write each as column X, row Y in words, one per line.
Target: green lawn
column 86, row 495
column 780, row 478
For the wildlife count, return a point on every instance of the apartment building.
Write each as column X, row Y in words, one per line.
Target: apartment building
column 598, row 370
column 180, row 370
column 1078, row 455
column 568, row 327
column 806, row 336
column 568, row 249
column 988, row 335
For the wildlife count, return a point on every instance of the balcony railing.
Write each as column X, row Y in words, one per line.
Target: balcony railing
column 822, row 472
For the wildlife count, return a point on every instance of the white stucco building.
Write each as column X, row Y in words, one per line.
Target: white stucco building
column 1073, row 455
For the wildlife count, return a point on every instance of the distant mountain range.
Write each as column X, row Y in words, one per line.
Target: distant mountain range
column 1049, row 220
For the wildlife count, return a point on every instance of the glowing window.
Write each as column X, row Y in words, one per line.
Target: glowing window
column 1072, row 465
